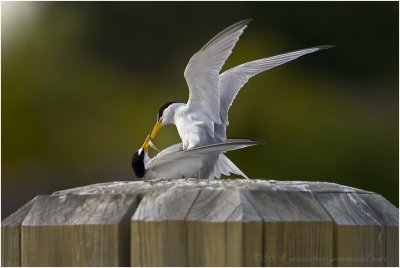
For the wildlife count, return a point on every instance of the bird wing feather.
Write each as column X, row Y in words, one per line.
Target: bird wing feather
column 232, row 80
column 176, row 152
column 202, row 71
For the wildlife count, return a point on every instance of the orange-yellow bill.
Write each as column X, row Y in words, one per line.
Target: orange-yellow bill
column 156, row 129
column 145, row 145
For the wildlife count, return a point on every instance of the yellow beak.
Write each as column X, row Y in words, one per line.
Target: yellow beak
column 145, row 145
column 156, row 129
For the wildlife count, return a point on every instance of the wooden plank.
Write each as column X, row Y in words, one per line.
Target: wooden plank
column 388, row 216
column 296, row 230
column 364, row 228
column 77, row 230
column 392, row 246
column 11, row 236
column 224, row 229
column 158, row 229
column 244, row 234
column 199, row 226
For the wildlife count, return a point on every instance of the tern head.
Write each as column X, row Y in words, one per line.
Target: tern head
column 165, row 116
column 140, row 157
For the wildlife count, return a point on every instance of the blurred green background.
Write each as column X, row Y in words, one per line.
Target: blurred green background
column 82, row 84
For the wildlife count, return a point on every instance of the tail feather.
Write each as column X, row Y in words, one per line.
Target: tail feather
column 217, row 171
column 226, row 166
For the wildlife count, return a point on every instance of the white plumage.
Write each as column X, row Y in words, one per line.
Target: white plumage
column 204, row 118
column 174, row 162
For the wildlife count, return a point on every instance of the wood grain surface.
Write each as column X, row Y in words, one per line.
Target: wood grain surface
column 189, row 222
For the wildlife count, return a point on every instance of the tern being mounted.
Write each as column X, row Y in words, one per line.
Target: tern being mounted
column 204, row 118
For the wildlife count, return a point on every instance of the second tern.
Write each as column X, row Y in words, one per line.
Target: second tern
column 173, row 162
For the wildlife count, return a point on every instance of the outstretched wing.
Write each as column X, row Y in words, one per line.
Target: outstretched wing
column 232, row 80
column 202, row 72
column 175, row 152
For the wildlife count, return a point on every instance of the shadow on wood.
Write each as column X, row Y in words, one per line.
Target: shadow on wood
column 188, row 222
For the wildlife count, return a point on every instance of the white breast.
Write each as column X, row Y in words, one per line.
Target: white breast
column 194, row 132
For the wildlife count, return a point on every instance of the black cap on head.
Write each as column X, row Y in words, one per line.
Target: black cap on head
column 162, row 108
column 138, row 163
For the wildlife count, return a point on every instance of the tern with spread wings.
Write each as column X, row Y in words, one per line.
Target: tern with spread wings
column 204, row 118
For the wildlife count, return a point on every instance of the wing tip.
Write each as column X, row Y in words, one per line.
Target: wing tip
column 245, row 21
column 253, row 141
column 315, row 48
column 308, row 50
column 240, row 25
column 324, row 47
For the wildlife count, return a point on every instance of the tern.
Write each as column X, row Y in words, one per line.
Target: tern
column 202, row 121
column 174, row 162
column 204, row 118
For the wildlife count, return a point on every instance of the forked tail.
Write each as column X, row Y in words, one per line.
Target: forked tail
column 225, row 166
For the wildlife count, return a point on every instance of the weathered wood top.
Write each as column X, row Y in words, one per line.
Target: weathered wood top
column 191, row 222
column 153, row 185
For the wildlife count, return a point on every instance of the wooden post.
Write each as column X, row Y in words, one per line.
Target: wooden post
column 77, row 230
column 365, row 232
column 11, row 236
column 188, row 222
